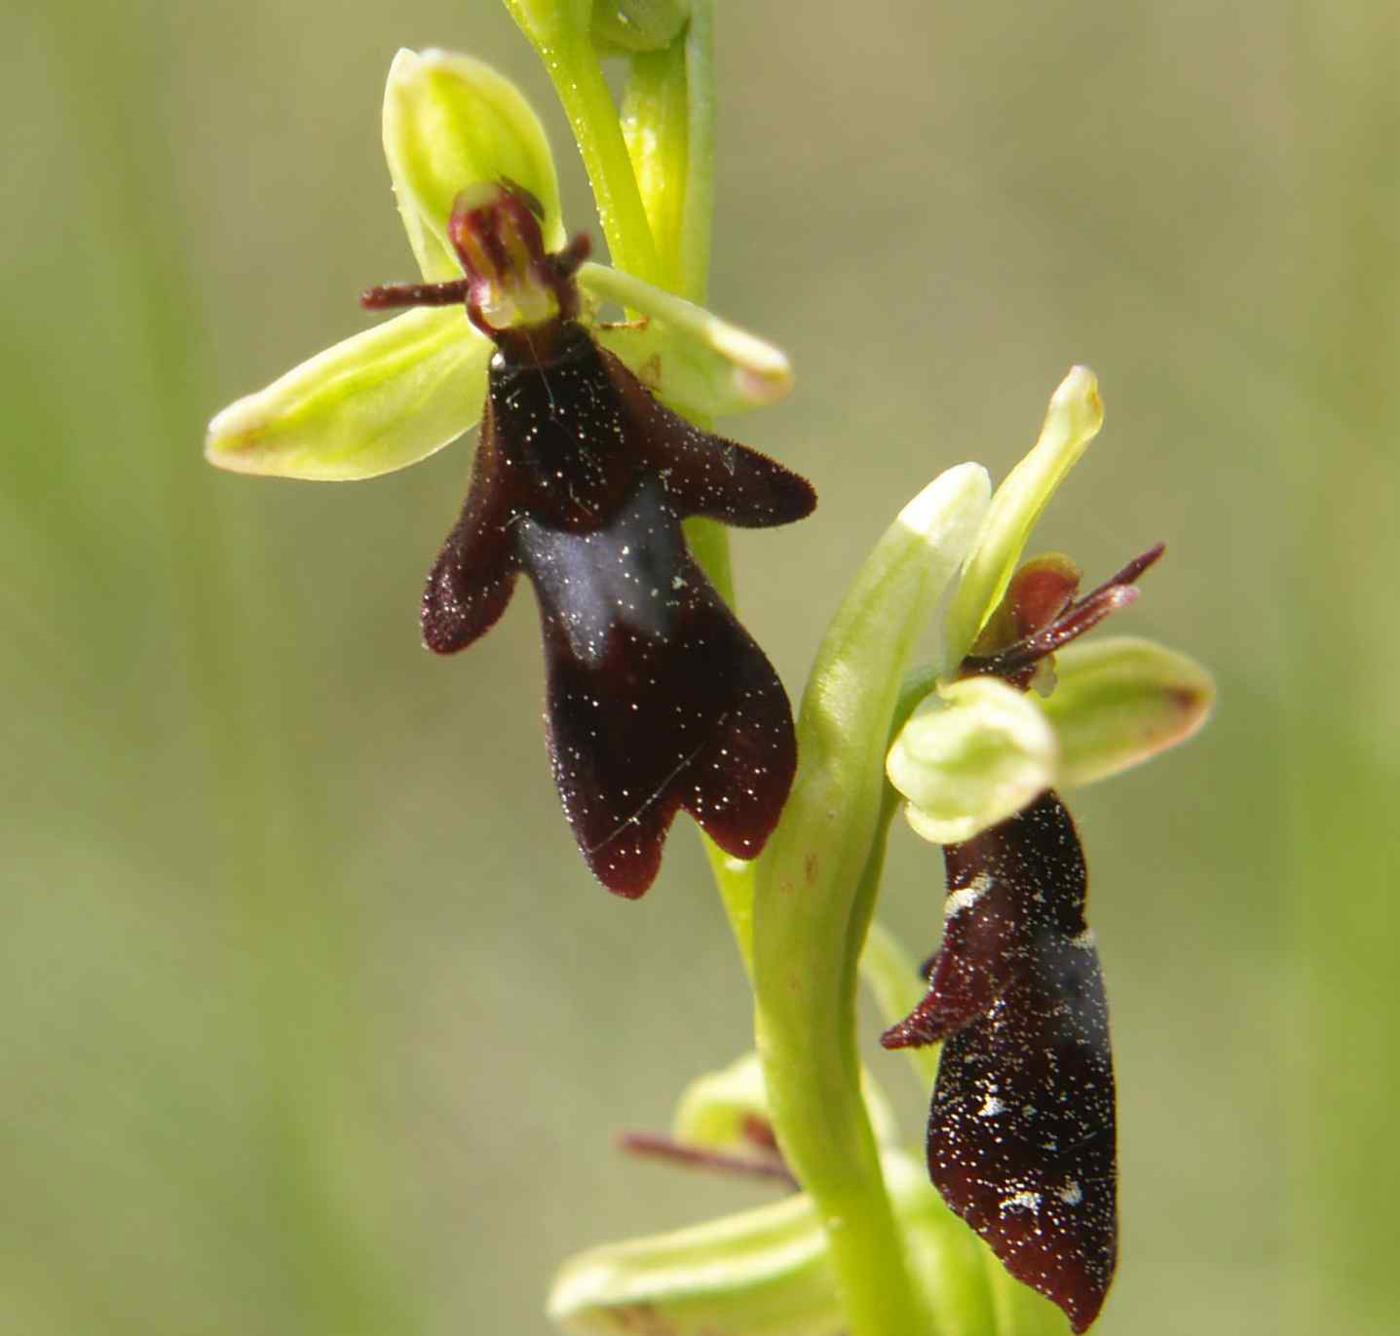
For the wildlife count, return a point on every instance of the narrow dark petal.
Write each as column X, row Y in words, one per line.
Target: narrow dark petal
column 658, row 698
column 1016, row 662
column 391, row 296
column 1138, row 566
column 707, row 474
column 1021, row 1136
column 765, row 1164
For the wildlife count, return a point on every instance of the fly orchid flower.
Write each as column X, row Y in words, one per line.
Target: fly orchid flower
column 1021, row 1133
column 658, row 700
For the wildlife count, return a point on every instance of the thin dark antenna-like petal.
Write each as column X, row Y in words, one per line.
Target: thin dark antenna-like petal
column 707, row 474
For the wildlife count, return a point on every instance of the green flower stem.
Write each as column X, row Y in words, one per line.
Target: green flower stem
column 697, row 218
column 813, row 900
column 735, row 880
column 655, row 127
column 804, row 966
column 668, row 133
column 888, row 971
column 588, row 103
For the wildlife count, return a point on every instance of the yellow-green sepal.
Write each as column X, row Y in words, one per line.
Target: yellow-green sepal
column 763, row 1272
column 1119, row 701
column 1071, row 422
column 451, row 121
column 687, row 356
column 376, row 402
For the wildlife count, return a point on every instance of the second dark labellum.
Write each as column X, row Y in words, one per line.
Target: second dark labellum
column 658, row 699
column 1021, row 1131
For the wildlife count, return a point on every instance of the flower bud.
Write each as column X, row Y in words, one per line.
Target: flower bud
column 1118, row 701
column 972, row 755
column 631, row 26
column 716, row 1109
column 451, row 122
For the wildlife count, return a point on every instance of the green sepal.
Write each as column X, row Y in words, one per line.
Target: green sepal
column 376, row 402
column 1071, row 422
column 715, row 1109
column 688, row 357
column 451, row 121
column 1118, row 701
column 763, row 1272
column 974, row 753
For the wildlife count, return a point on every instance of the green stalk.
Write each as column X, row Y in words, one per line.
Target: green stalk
column 888, row 972
column 583, row 91
column 697, row 220
column 668, row 129
column 814, row 899
column 653, row 178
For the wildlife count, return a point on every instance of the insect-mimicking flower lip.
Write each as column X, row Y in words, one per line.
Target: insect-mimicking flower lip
column 1021, row 1131
column 658, row 699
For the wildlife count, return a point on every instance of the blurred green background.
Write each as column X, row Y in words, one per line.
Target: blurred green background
column 310, row 1018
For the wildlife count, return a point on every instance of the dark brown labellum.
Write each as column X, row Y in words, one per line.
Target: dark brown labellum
column 658, row 699
column 1021, row 1134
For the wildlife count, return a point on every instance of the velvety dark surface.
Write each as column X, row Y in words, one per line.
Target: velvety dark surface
column 658, row 699
column 1021, row 1139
